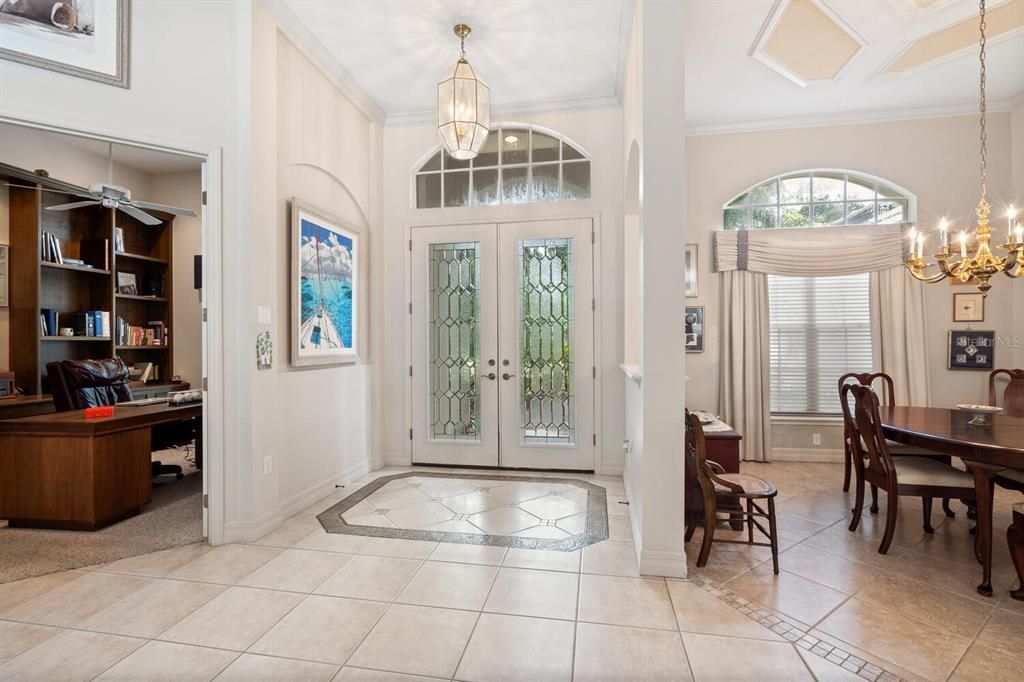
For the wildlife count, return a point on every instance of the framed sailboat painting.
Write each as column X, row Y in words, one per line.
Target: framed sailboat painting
column 325, row 282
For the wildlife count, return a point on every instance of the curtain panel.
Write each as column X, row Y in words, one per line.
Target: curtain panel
column 812, row 251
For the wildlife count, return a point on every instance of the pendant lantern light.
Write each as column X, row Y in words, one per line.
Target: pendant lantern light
column 463, row 106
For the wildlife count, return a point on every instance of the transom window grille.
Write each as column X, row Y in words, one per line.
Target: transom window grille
column 817, row 198
column 516, row 165
column 820, row 329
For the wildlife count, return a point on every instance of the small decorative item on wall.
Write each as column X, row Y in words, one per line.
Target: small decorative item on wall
column 968, row 308
column 691, row 270
column 3, row 275
column 694, row 321
column 325, row 281
column 84, row 38
column 264, row 351
column 971, row 349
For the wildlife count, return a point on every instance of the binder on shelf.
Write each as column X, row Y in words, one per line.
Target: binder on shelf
column 83, row 324
column 49, row 317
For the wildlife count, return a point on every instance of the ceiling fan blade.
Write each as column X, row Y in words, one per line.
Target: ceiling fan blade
column 167, row 209
column 141, row 216
column 54, row 191
column 73, row 204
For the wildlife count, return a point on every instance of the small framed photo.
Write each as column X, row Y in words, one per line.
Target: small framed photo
column 126, row 283
column 971, row 349
column 968, row 307
column 693, row 319
column 691, row 270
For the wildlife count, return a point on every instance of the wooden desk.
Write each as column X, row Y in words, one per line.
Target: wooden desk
column 62, row 470
column 42, row 403
column 985, row 450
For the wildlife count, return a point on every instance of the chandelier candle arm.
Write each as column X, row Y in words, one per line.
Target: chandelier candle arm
column 978, row 263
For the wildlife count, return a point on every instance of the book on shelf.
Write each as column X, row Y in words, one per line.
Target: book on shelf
column 49, row 320
column 119, row 240
column 152, row 334
column 51, row 252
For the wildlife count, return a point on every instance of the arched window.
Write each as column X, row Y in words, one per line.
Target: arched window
column 816, row 198
column 517, row 165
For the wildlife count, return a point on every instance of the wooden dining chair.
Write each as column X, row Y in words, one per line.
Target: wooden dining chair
column 1013, row 396
column 895, row 449
column 714, row 483
column 902, row 476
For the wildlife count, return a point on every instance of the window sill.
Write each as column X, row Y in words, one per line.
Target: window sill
column 807, row 419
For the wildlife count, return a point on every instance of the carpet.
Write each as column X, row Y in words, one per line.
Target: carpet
column 172, row 519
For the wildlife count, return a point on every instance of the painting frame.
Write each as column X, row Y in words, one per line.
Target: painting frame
column 691, row 270
column 301, row 355
column 120, row 43
column 971, row 360
column 969, row 307
column 693, row 332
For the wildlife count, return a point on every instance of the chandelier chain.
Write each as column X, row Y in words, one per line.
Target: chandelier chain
column 984, row 139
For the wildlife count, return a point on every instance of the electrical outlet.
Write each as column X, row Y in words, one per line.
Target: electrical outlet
column 627, row 447
column 268, row 464
column 816, row 438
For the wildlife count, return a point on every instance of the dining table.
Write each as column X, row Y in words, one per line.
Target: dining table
column 986, row 449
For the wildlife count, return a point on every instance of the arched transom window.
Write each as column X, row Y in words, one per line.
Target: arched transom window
column 816, row 198
column 517, row 165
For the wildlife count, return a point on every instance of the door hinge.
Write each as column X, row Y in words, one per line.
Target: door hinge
column 410, row 308
column 410, row 370
column 206, row 501
column 410, row 434
column 204, row 314
column 593, row 237
column 595, row 439
column 593, row 304
column 204, row 197
column 594, row 368
column 410, row 245
column 206, row 384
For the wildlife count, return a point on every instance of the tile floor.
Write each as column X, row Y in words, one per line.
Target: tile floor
column 302, row 604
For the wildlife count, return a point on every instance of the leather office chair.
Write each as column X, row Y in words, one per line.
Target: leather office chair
column 78, row 384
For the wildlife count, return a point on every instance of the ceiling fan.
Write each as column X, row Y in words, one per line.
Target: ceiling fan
column 109, row 195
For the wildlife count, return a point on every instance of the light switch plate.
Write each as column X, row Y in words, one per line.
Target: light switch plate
column 263, row 314
column 268, row 464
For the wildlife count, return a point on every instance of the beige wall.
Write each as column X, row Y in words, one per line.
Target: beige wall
column 185, row 190
column 936, row 159
column 311, row 142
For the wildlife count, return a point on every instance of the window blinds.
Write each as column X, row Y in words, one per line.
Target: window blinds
column 820, row 328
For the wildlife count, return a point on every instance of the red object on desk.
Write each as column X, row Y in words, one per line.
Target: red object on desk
column 97, row 412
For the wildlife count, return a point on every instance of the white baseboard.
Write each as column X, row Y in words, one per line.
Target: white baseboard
column 807, row 455
column 664, row 564
column 252, row 531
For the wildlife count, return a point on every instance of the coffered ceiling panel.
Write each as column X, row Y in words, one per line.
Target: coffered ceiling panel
column 807, row 42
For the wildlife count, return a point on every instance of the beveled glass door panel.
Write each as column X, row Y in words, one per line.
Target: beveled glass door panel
column 546, row 344
column 454, row 345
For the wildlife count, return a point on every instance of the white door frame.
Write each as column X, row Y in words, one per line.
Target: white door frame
column 597, row 276
column 212, row 240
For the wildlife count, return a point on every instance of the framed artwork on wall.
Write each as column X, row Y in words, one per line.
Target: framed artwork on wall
column 694, row 321
column 3, row 275
column 83, row 38
column 970, row 349
column 691, row 270
column 324, row 283
column 969, row 307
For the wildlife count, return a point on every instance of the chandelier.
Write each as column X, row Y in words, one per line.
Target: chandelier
column 974, row 261
column 463, row 106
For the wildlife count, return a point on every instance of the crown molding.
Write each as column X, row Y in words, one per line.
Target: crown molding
column 559, row 106
column 308, row 44
column 855, row 118
column 626, row 19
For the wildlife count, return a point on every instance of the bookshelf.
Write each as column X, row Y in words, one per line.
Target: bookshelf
column 85, row 233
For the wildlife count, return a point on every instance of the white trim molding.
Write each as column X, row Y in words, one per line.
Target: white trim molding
column 828, row 455
column 660, row 563
column 522, row 109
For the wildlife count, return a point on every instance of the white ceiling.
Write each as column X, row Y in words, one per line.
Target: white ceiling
column 544, row 55
column 551, row 53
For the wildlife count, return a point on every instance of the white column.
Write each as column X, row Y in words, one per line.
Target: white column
column 662, row 166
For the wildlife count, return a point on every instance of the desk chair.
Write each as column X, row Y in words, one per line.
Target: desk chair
column 78, row 384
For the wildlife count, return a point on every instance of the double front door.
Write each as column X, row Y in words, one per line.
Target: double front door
column 502, row 341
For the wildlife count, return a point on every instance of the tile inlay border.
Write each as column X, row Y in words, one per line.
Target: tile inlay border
column 596, row 528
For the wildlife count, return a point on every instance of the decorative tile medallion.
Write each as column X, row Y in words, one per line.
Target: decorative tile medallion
column 529, row 512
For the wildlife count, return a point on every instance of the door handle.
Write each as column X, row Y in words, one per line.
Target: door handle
column 492, row 376
column 506, row 376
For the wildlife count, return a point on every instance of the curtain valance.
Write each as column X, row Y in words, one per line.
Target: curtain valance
column 812, row 252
